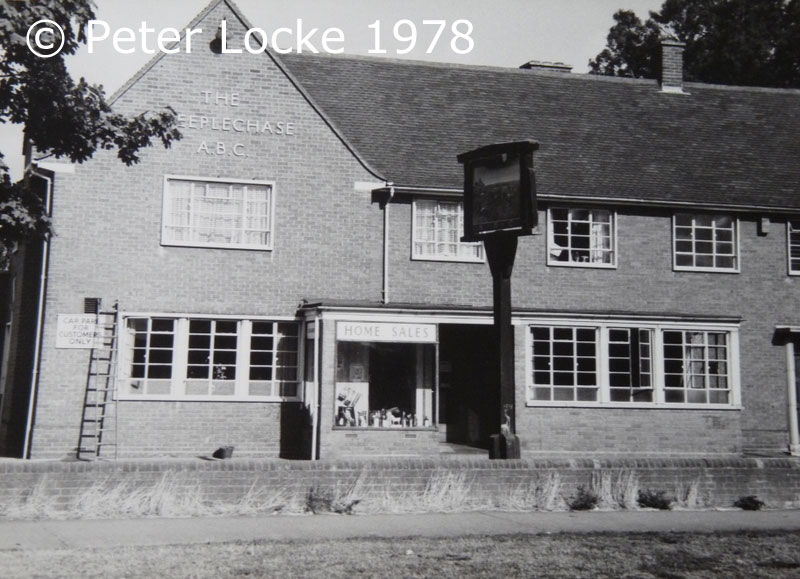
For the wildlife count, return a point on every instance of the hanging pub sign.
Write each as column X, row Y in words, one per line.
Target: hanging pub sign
column 499, row 190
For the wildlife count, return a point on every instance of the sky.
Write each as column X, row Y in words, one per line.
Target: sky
column 505, row 33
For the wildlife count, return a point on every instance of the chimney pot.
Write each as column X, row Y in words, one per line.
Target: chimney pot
column 672, row 66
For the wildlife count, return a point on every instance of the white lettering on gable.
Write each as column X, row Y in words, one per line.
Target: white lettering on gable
column 230, row 124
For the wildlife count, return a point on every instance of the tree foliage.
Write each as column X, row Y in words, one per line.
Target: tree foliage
column 742, row 42
column 60, row 117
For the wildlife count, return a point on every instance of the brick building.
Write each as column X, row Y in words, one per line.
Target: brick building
column 290, row 278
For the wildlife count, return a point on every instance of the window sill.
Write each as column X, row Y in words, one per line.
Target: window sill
column 448, row 259
column 170, row 398
column 581, row 264
column 633, row 405
column 217, row 246
column 705, row 269
column 386, row 428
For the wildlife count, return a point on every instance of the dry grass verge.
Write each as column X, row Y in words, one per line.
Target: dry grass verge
column 640, row 555
column 180, row 494
column 169, row 496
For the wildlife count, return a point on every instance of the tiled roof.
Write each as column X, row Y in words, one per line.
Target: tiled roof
column 599, row 137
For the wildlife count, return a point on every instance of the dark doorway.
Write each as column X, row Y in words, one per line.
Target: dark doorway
column 469, row 403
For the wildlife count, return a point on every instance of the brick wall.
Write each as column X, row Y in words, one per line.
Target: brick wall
column 762, row 294
column 108, row 230
column 328, row 244
column 481, row 483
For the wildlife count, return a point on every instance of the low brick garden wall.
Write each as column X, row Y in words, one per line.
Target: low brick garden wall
column 31, row 489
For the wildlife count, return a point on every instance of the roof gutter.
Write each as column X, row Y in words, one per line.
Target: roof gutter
column 626, row 201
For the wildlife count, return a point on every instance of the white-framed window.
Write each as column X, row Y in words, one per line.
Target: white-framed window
column 234, row 214
column 793, row 240
column 705, row 242
column 630, row 365
column 627, row 364
column 696, row 367
column 581, row 237
column 437, row 230
column 178, row 358
column 564, row 363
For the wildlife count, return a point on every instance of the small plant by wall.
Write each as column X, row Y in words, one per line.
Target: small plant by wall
column 749, row 503
column 584, row 500
column 651, row 499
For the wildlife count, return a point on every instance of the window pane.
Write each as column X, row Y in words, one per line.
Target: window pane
column 572, row 364
column 695, row 364
column 151, row 346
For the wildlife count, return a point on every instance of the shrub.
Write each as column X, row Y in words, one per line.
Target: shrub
column 749, row 503
column 654, row 500
column 585, row 500
column 328, row 500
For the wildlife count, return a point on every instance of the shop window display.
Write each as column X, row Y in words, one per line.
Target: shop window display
column 384, row 385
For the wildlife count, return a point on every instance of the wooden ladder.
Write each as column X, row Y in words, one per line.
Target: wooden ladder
column 98, row 432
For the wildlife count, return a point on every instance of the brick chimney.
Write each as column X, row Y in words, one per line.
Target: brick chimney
column 672, row 66
column 543, row 65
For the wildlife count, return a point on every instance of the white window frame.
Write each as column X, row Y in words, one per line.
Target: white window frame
column 656, row 363
column 415, row 231
column 735, row 225
column 552, row 248
column 790, row 230
column 179, row 364
column 165, row 212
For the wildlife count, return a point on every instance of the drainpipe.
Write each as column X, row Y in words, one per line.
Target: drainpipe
column 791, row 380
column 385, row 291
column 39, row 319
column 315, row 416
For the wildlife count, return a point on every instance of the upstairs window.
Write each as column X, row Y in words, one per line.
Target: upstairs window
column 794, row 247
column 437, row 230
column 210, row 213
column 581, row 237
column 705, row 243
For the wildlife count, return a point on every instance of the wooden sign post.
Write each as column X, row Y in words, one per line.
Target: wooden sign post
column 500, row 206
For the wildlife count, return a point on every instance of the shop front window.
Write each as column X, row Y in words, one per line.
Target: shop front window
column 384, row 384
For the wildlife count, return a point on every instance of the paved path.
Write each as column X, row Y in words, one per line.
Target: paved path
column 31, row 535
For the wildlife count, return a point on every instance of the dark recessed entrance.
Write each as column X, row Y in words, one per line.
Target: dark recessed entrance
column 469, row 401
